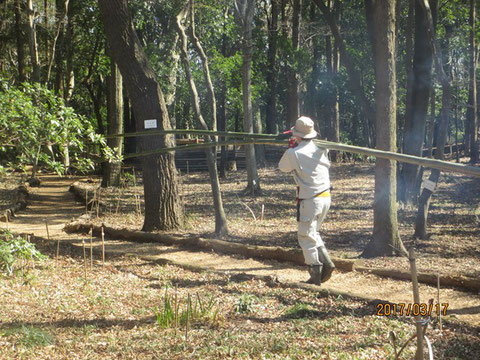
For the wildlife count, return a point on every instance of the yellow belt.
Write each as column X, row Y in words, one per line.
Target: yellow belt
column 323, row 194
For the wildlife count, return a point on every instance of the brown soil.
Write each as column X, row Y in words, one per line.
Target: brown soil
column 52, row 203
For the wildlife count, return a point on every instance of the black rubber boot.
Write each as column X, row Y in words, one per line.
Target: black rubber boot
column 328, row 265
column 315, row 272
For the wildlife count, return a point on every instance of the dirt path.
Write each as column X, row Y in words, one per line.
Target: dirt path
column 53, row 203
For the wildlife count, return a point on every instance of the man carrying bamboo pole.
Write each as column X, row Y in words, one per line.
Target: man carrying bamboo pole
column 310, row 168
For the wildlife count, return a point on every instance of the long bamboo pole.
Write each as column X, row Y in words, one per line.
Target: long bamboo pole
column 270, row 140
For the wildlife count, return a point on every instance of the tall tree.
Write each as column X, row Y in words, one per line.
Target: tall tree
column 244, row 10
column 163, row 208
column 271, row 75
column 221, row 227
column 414, row 131
column 292, row 109
column 353, row 74
column 32, row 41
column 386, row 239
column 332, row 104
column 112, row 170
column 20, row 41
column 441, row 138
column 472, row 119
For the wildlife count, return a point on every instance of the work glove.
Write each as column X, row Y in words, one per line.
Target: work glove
column 292, row 142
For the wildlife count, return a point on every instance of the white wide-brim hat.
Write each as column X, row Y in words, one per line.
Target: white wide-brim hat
column 304, row 128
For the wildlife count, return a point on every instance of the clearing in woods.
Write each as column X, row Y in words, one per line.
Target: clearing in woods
column 113, row 310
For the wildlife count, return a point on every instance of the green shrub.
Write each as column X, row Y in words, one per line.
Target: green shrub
column 15, row 250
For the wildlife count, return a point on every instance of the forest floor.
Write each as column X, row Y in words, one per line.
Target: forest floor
column 54, row 311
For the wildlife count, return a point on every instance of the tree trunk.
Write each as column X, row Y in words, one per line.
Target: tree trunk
column 414, row 132
column 20, row 41
column 386, row 239
column 222, row 126
column 58, row 46
column 353, row 75
column 441, row 139
column 69, row 51
column 32, row 41
column 370, row 17
column 45, row 12
column 96, row 98
column 244, row 16
column 271, row 75
column 472, row 120
column 333, row 115
column 163, row 210
column 112, row 170
column 221, row 227
column 259, row 148
column 431, row 123
column 292, row 109
column 311, row 103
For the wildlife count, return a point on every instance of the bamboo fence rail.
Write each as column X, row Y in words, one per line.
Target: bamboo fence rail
column 269, row 139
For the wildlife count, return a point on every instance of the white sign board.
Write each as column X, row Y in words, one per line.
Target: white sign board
column 150, row 124
column 429, row 185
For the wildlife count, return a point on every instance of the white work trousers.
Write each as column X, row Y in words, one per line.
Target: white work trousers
column 312, row 214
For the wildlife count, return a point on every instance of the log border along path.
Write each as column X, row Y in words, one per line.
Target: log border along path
column 53, row 201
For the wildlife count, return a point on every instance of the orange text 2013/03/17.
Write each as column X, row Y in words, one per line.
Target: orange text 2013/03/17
column 414, row 309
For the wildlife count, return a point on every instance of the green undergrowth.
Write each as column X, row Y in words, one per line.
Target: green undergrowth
column 17, row 253
column 135, row 309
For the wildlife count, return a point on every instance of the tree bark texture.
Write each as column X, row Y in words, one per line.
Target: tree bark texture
column 112, row 170
column 414, row 131
column 244, row 15
column 221, row 227
column 20, row 41
column 163, row 210
column 386, row 239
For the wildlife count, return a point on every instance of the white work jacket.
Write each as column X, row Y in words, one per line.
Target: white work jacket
column 309, row 165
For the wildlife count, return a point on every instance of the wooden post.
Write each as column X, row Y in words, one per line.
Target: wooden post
column 416, row 302
column 103, row 247
column 263, row 211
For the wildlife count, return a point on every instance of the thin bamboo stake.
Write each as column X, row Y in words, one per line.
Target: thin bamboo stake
column 84, row 258
column 48, row 233
column 263, row 211
column 103, row 246
column 438, row 302
column 91, row 248
column 175, row 309
column 6, row 218
column 416, row 301
column 188, row 312
column 97, row 193
column 86, row 202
